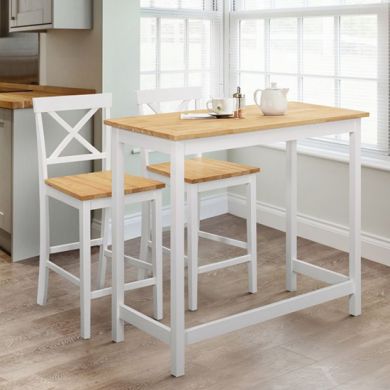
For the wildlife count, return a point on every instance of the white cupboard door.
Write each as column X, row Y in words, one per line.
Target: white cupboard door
column 30, row 12
column 5, row 170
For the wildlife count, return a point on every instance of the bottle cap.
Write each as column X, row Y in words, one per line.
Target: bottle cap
column 238, row 94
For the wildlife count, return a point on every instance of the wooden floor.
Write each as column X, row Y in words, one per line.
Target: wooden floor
column 319, row 348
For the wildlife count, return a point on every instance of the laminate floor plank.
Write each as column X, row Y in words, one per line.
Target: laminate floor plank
column 318, row 348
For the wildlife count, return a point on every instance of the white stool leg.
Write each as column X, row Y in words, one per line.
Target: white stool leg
column 252, row 234
column 104, row 233
column 44, row 250
column 291, row 216
column 85, row 270
column 193, row 242
column 145, row 237
column 157, row 257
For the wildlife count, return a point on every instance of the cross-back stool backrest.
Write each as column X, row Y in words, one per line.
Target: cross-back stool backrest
column 52, row 106
column 153, row 98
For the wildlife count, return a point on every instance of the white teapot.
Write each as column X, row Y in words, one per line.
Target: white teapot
column 273, row 100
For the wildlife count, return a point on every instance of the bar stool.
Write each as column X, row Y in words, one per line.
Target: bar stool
column 88, row 192
column 201, row 175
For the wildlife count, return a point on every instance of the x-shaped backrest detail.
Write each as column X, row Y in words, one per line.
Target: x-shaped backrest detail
column 73, row 133
column 155, row 107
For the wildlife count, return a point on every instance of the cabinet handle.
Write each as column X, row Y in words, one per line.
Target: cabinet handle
column 13, row 10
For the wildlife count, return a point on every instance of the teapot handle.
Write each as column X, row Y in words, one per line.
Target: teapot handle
column 255, row 97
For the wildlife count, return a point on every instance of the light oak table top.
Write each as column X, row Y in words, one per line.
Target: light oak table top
column 170, row 126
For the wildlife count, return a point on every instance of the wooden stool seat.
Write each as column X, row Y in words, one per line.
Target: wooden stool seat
column 201, row 170
column 97, row 185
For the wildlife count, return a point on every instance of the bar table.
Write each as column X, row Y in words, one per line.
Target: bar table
column 169, row 134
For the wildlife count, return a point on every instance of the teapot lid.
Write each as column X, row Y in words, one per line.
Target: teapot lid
column 274, row 86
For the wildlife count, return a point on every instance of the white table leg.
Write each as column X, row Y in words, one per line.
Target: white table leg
column 355, row 304
column 291, row 215
column 117, row 235
column 177, row 261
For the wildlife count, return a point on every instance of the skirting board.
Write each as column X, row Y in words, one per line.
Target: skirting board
column 211, row 206
column 374, row 247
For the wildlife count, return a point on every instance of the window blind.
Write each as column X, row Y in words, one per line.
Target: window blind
column 275, row 4
column 178, row 38
column 204, row 5
column 332, row 52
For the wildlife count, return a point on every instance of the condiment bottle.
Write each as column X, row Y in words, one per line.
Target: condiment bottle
column 240, row 103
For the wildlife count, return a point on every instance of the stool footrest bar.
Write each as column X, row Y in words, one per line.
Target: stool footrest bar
column 223, row 240
column 128, row 287
column 73, row 246
column 65, row 274
column 133, row 261
column 224, row 264
column 145, row 323
column 318, row 273
column 166, row 250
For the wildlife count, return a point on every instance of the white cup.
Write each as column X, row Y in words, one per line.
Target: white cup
column 221, row 106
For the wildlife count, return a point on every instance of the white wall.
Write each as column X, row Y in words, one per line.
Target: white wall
column 323, row 199
column 120, row 53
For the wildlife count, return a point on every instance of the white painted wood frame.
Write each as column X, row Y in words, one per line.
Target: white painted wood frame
column 92, row 104
column 176, row 335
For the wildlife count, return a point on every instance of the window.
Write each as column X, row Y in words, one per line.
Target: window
column 331, row 52
column 179, row 39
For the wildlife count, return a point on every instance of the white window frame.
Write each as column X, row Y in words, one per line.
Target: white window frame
column 381, row 10
column 216, row 17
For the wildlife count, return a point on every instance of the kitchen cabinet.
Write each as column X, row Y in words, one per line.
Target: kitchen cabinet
column 36, row 15
column 30, row 13
column 5, row 170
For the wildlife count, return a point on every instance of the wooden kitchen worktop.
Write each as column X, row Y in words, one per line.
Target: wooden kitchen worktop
column 19, row 96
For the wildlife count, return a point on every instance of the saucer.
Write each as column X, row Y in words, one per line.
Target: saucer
column 221, row 116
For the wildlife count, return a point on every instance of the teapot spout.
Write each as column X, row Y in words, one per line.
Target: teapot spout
column 285, row 91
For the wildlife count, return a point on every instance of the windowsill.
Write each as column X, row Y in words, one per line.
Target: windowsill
column 382, row 164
